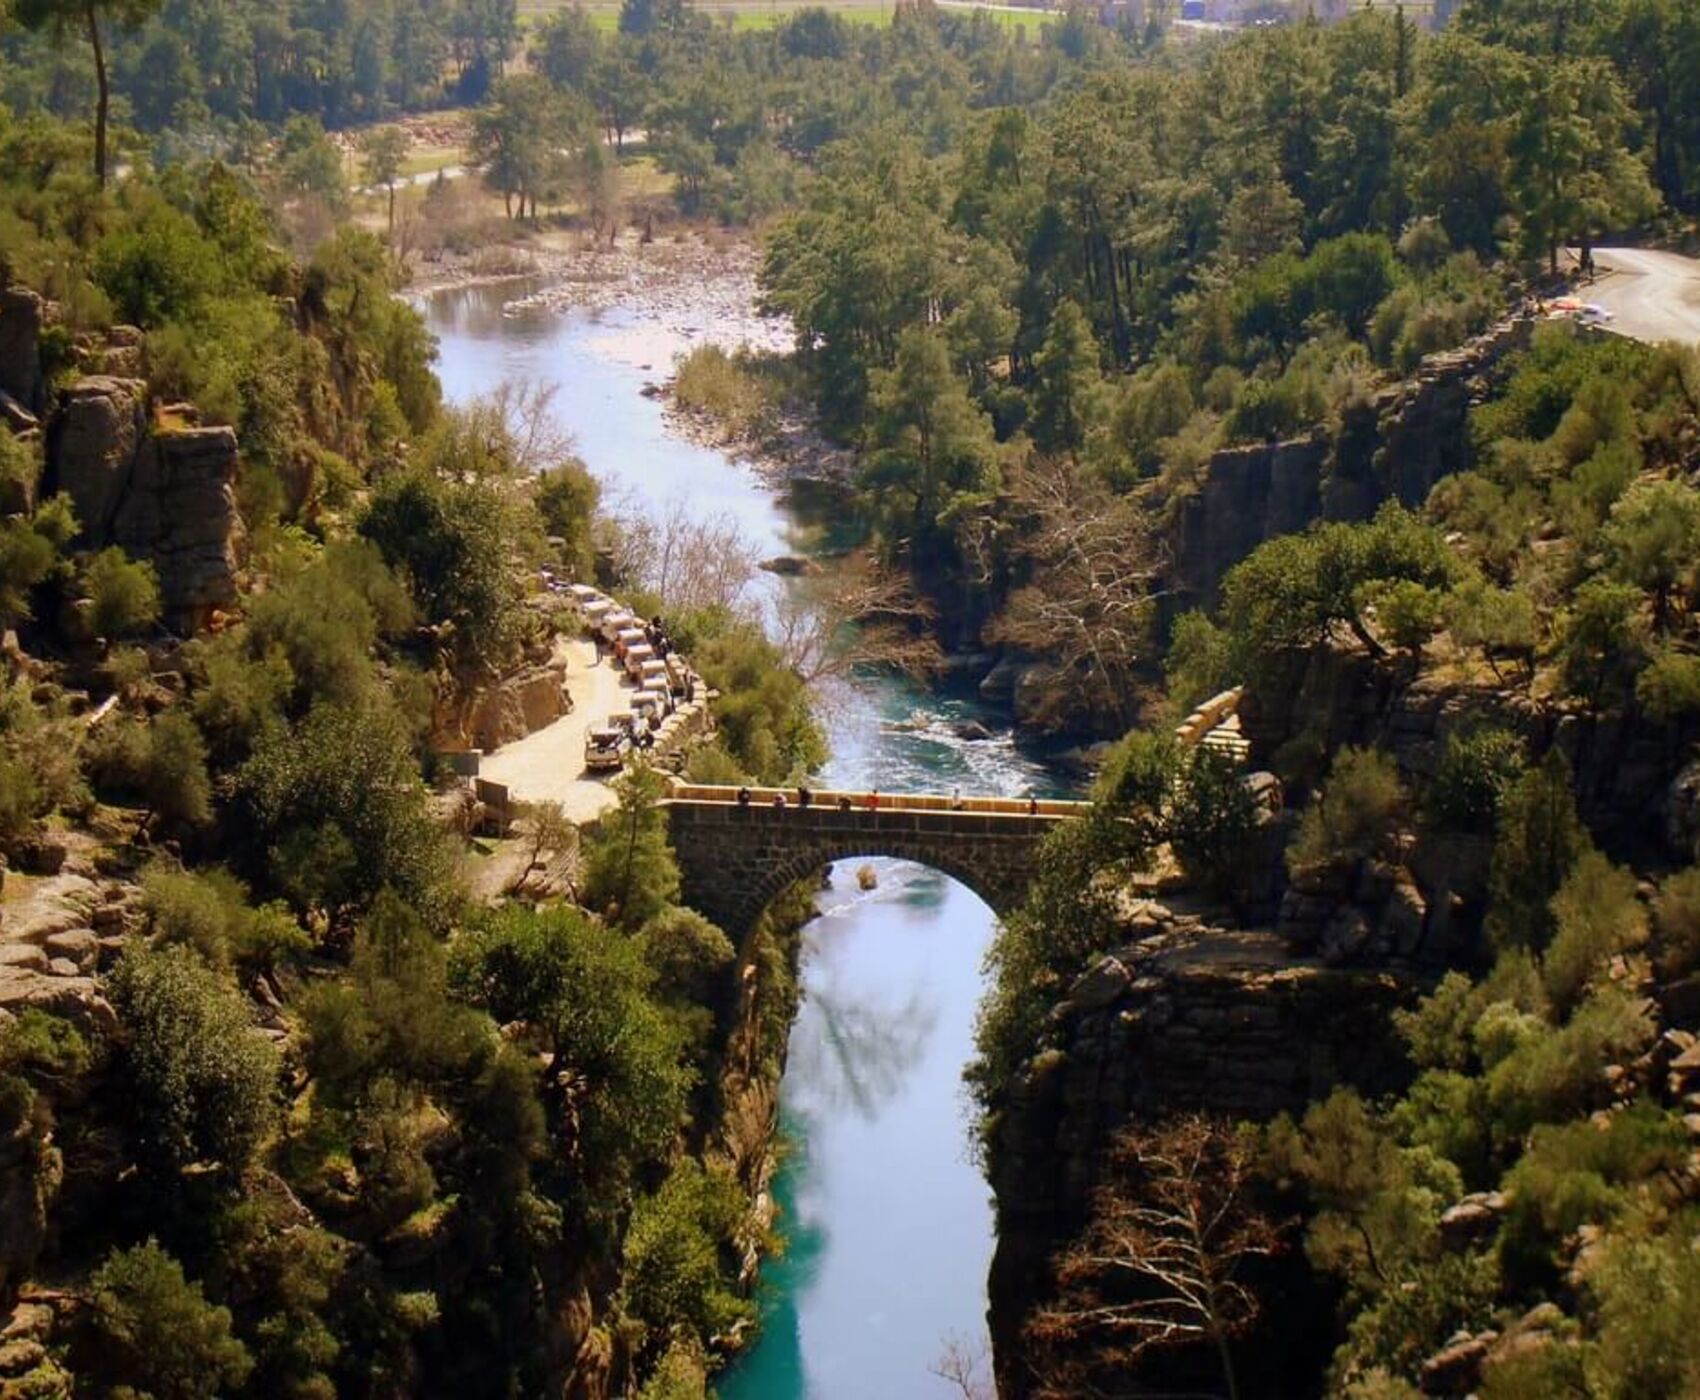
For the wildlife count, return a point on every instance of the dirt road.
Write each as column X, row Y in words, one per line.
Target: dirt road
column 548, row 766
column 1652, row 295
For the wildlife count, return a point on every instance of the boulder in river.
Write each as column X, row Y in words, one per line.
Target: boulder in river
column 971, row 730
column 998, row 687
column 790, row 565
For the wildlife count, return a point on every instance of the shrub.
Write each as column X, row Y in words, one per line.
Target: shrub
column 124, row 594
column 1496, row 621
column 1647, row 1294
column 20, row 467
column 175, row 785
column 157, row 269
column 681, row 1374
column 721, row 386
column 209, row 911
column 1477, row 769
column 1540, row 837
column 37, row 1044
column 629, row 869
column 161, row 766
column 26, row 558
column 1268, row 409
column 764, row 714
column 687, row 953
column 337, row 812
column 673, row 1277
column 454, row 541
column 1548, row 1075
column 1199, row 663
column 1356, row 816
column 1596, row 916
column 205, row 1085
column 1155, row 405
column 1407, row 612
column 1601, row 641
column 1669, row 689
column 712, row 764
column 19, row 798
column 1211, row 819
column 1584, row 1173
column 158, row 1332
column 1676, row 914
column 585, row 994
column 566, row 497
column 1652, row 538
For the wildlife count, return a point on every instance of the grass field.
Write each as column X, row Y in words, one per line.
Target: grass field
column 764, row 14
column 425, row 160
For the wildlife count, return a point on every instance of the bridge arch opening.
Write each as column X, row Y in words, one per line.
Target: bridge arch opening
column 813, row 865
column 737, row 854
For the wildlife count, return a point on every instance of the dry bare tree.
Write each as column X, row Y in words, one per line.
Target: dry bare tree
column 1094, row 558
column 533, row 432
column 962, row 1363
column 859, row 612
column 548, row 832
column 1158, row 1265
column 688, row 563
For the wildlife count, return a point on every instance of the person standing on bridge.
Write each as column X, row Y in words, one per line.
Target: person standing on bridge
column 874, row 800
column 804, row 796
column 956, row 798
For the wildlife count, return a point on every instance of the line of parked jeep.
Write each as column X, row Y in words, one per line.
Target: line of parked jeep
column 669, row 702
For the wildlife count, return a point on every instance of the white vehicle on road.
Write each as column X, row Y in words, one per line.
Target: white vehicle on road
column 605, row 749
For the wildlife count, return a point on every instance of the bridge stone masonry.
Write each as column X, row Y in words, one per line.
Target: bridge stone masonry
column 735, row 858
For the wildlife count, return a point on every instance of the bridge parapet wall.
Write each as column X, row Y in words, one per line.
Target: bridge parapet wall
column 735, row 859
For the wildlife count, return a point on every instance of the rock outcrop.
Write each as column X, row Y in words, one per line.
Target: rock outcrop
column 21, row 385
column 1189, row 1016
column 163, row 491
column 56, row 939
column 1394, row 446
column 519, row 705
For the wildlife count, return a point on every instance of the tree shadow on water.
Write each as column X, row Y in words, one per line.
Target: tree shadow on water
column 860, row 1053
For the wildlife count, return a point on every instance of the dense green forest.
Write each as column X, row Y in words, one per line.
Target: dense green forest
column 332, row 1122
column 334, row 1119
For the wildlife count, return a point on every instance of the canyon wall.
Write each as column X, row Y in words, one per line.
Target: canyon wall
column 156, row 484
column 150, row 479
column 1186, row 1016
column 1393, row 446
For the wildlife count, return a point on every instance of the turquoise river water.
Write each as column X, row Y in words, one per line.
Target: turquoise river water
column 888, row 1221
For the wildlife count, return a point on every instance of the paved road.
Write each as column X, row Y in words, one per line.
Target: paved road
column 548, row 766
column 1652, row 295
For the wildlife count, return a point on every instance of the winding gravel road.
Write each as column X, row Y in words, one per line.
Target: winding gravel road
column 1652, row 295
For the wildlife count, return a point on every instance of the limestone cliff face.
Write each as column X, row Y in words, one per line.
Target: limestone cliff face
column 21, row 384
column 1394, row 446
column 1635, row 783
column 1186, row 1016
column 163, row 490
column 507, row 708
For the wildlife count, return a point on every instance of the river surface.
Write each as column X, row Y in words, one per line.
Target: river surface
column 888, row 1221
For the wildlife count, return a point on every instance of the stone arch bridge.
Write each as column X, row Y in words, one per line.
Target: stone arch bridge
column 736, row 857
